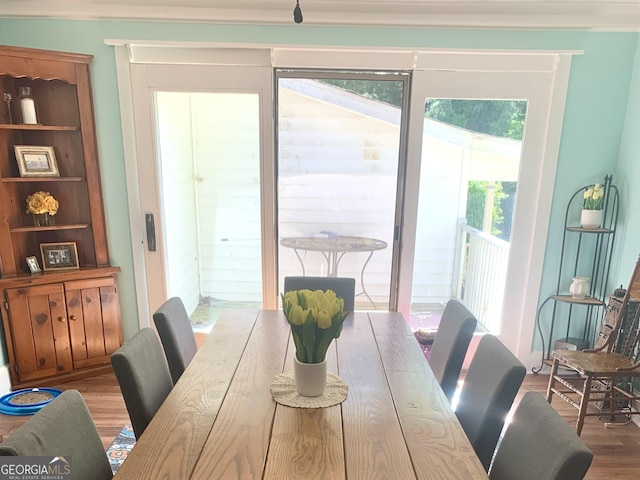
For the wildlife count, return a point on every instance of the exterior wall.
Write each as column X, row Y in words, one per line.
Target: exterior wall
column 227, row 149
column 212, row 194
column 178, row 192
column 442, row 202
column 345, row 188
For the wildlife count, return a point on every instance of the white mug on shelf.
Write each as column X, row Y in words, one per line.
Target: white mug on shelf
column 579, row 288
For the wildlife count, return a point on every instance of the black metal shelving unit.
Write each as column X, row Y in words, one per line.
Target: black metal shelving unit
column 597, row 253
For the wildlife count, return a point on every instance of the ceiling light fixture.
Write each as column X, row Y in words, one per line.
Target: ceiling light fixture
column 297, row 13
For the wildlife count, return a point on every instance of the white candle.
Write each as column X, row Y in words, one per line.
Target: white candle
column 28, row 107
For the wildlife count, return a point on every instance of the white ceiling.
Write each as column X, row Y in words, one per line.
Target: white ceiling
column 555, row 14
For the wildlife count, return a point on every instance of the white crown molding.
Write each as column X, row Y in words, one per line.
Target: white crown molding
column 498, row 14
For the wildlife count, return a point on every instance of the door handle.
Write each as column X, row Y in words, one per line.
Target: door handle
column 151, row 231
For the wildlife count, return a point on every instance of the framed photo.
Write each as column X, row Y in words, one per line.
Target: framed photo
column 59, row 256
column 36, row 161
column 33, row 264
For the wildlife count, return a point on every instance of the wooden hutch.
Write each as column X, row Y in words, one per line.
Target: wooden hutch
column 62, row 323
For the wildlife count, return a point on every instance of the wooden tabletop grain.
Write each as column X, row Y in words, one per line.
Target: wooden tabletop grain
column 220, row 421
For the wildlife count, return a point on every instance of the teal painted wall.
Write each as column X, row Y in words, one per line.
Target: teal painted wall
column 593, row 122
column 628, row 174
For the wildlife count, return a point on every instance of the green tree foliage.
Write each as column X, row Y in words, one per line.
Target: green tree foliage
column 475, row 206
column 386, row 91
column 501, row 118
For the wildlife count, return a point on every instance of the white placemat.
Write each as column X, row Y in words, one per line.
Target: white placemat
column 283, row 391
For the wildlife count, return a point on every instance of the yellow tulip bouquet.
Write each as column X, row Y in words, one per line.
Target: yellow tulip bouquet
column 593, row 197
column 316, row 318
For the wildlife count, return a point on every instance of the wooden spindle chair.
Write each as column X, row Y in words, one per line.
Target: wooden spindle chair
column 605, row 372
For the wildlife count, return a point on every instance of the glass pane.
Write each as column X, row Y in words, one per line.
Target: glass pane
column 209, row 146
column 468, row 185
column 338, row 150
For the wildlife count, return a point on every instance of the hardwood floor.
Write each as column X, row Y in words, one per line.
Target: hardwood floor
column 105, row 402
column 616, row 449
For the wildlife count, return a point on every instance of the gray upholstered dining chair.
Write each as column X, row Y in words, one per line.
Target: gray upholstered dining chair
column 143, row 375
column 539, row 445
column 63, row 428
column 450, row 345
column 176, row 335
column 486, row 396
column 344, row 287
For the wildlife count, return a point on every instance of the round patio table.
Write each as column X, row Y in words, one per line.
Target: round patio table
column 333, row 248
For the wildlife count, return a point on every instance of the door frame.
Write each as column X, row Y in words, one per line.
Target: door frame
column 542, row 81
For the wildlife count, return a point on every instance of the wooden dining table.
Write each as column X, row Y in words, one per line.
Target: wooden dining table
column 220, row 421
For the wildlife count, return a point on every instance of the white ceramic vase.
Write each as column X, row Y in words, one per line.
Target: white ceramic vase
column 579, row 288
column 591, row 219
column 311, row 378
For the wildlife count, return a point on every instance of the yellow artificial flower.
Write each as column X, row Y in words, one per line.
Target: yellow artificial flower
column 51, row 204
column 324, row 319
column 316, row 318
column 42, row 202
column 593, row 197
column 298, row 316
column 312, row 300
column 291, row 297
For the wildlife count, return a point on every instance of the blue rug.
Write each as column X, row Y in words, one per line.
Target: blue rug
column 120, row 447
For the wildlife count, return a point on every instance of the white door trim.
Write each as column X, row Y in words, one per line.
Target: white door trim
column 131, row 171
column 546, row 93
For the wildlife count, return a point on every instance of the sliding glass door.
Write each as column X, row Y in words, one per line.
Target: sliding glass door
column 478, row 139
column 201, row 185
column 340, row 141
column 370, row 180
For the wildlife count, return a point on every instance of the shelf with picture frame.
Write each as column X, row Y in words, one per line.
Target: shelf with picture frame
column 59, row 83
column 58, row 155
column 585, row 251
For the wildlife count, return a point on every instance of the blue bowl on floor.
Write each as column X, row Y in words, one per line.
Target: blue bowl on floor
column 9, row 407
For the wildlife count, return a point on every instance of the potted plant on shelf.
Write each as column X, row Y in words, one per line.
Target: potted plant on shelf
column 591, row 216
column 316, row 318
column 42, row 206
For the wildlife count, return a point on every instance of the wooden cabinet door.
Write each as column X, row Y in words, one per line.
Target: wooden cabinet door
column 94, row 320
column 39, row 331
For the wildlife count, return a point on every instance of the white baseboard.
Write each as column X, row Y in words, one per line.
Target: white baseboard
column 5, row 380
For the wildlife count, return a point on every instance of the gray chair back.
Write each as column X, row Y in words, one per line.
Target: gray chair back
column 450, row 345
column 63, row 428
column 489, row 388
column 143, row 376
column 345, row 288
column 539, row 445
column 176, row 334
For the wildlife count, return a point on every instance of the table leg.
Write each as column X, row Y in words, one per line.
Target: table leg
column 364, row 290
column 301, row 262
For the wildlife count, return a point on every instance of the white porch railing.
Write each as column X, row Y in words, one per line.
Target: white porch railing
column 482, row 260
